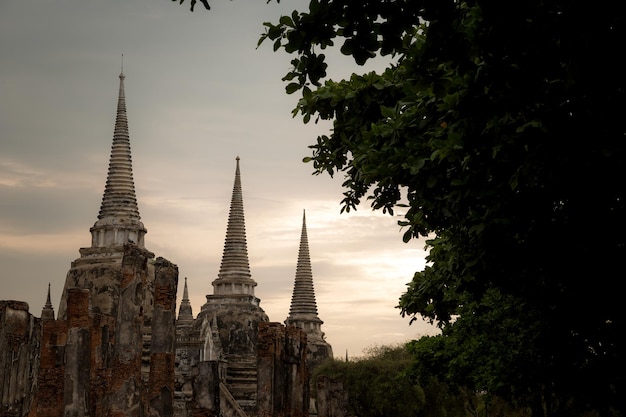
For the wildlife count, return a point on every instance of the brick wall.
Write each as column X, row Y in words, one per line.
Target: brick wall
column 20, row 336
column 283, row 380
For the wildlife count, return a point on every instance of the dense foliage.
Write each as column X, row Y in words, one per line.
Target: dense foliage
column 378, row 386
column 500, row 123
column 382, row 384
column 497, row 128
column 375, row 385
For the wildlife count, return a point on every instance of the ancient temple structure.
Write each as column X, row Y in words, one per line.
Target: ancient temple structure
column 111, row 351
column 118, row 348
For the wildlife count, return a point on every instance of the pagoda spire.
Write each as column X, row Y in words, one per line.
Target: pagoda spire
column 184, row 312
column 234, row 276
column 47, row 313
column 303, row 310
column 118, row 220
column 303, row 305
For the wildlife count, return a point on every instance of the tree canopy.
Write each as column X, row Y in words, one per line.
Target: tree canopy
column 377, row 384
column 497, row 131
column 382, row 384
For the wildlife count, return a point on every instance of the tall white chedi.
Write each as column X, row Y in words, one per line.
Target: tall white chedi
column 118, row 224
column 119, row 221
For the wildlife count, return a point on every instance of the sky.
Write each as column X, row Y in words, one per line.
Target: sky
column 199, row 93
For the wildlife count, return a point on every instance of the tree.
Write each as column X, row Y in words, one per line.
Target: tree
column 376, row 384
column 497, row 130
column 381, row 384
column 496, row 127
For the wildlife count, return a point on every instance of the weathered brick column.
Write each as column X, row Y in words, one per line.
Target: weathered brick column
column 19, row 345
column 160, row 392
column 121, row 364
column 332, row 398
column 51, row 380
column 77, row 354
column 283, row 380
column 205, row 400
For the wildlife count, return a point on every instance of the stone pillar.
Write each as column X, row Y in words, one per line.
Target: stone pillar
column 20, row 335
column 283, row 385
column 77, row 355
column 51, row 380
column 160, row 392
column 295, row 359
column 102, row 328
column 332, row 399
column 205, row 401
column 123, row 397
column 268, row 375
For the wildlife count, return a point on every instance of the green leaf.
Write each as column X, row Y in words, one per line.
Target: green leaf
column 286, row 21
column 292, row 88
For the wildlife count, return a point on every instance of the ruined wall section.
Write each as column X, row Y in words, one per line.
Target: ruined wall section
column 77, row 400
column 20, row 338
column 104, row 298
column 332, row 398
column 205, row 398
column 49, row 398
column 92, row 359
column 319, row 351
column 283, row 377
column 159, row 399
column 124, row 397
column 99, row 272
column 235, row 320
column 188, row 346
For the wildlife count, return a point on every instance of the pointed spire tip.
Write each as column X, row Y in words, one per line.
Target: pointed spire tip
column 122, row 68
column 48, row 304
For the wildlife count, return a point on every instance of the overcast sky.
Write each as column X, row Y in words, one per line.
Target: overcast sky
column 198, row 94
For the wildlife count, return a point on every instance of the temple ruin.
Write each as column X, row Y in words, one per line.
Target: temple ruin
column 119, row 346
